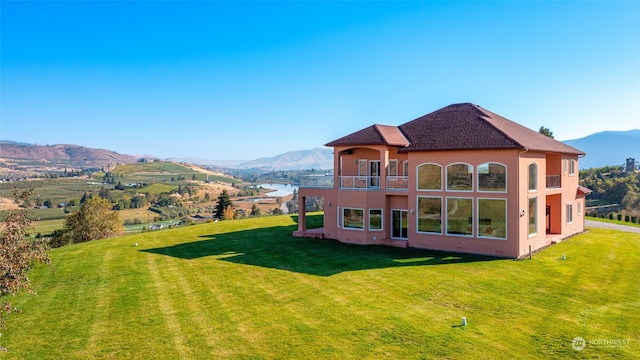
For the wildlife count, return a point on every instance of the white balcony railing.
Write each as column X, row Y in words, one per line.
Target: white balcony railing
column 397, row 182
column 359, row 182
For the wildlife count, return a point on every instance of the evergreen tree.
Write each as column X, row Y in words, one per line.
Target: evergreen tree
column 546, row 132
column 224, row 202
column 104, row 193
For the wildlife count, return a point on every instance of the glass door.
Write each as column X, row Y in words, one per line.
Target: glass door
column 399, row 224
column 374, row 174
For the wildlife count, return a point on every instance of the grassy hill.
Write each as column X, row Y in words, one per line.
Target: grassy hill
column 247, row 289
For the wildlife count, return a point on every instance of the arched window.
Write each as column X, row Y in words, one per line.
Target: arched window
column 429, row 177
column 533, row 177
column 460, row 177
column 492, row 177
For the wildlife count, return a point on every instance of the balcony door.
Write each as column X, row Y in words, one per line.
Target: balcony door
column 374, row 173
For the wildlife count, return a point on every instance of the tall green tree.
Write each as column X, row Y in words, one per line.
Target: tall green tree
column 17, row 255
column 95, row 220
column 224, row 202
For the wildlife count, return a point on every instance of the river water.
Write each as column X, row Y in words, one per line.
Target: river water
column 279, row 189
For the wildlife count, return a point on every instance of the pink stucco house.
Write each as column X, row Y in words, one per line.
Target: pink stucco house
column 460, row 179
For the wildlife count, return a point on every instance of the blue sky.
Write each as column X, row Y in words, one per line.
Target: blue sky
column 243, row 80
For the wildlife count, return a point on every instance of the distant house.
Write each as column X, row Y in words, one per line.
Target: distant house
column 460, row 179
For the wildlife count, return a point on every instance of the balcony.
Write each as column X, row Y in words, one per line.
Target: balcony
column 397, row 182
column 317, row 181
column 360, row 182
column 554, row 181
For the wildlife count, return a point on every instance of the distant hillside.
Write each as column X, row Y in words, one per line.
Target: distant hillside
column 608, row 148
column 73, row 155
column 318, row 158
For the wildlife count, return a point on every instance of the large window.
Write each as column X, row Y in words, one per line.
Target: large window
column 430, row 214
column 375, row 219
column 492, row 177
column 460, row 177
column 429, row 177
column 353, row 218
column 459, row 216
column 533, row 177
column 492, row 218
column 533, row 216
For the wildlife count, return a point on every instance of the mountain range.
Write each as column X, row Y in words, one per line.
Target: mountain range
column 608, row 148
column 603, row 149
column 72, row 155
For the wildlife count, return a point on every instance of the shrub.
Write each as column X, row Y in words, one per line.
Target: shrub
column 634, row 219
column 610, row 216
column 626, row 218
column 619, row 217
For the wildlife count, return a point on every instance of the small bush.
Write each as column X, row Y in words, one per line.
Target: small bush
column 610, row 216
column 626, row 218
column 634, row 219
column 619, row 217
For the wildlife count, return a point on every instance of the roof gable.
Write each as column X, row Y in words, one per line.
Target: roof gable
column 456, row 127
column 373, row 135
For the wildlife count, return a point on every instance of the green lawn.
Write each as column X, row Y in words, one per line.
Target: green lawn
column 246, row 289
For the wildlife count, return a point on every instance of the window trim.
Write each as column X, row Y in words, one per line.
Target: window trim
column 442, row 213
column 393, row 161
column 349, row 227
column 572, row 167
column 446, row 175
column 418, row 176
column 492, row 191
column 506, row 220
column 569, row 214
column 366, row 168
column 446, row 229
column 381, row 219
column 535, row 187
column 535, row 233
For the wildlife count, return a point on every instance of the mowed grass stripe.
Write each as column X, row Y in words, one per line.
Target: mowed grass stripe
column 247, row 289
column 166, row 306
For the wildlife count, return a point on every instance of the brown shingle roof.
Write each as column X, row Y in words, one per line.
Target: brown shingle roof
column 457, row 127
column 373, row 135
